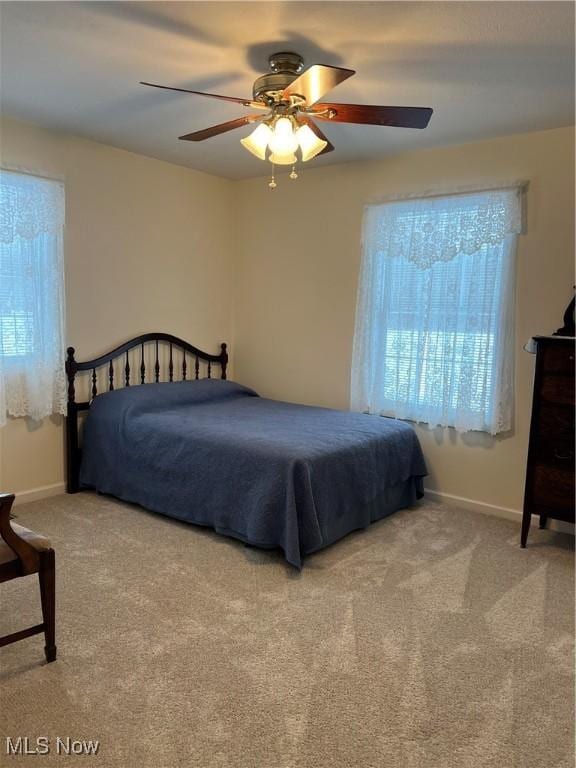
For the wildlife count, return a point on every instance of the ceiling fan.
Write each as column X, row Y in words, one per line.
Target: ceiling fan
column 288, row 98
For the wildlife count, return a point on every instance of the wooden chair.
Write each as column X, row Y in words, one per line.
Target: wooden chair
column 23, row 552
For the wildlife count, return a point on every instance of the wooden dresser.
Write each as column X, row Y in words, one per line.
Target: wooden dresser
column 549, row 490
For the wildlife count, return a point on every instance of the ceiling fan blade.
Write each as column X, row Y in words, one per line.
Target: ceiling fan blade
column 244, row 102
column 317, row 80
column 400, row 117
column 214, row 130
column 313, row 127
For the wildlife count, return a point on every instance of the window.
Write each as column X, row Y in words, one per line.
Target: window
column 31, row 296
column 435, row 315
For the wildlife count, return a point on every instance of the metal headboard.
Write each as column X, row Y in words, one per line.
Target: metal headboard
column 189, row 367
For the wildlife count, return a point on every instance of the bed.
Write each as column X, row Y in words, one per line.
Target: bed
column 214, row 453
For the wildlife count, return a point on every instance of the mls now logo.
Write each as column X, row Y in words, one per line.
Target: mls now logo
column 42, row 745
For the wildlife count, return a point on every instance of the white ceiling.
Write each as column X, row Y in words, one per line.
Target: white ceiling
column 487, row 69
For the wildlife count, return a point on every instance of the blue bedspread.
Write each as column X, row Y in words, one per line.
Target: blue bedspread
column 272, row 474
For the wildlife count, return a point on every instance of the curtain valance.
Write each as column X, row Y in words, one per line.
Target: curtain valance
column 29, row 206
column 433, row 229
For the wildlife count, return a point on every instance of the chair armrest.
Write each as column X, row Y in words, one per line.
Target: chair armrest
column 25, row 552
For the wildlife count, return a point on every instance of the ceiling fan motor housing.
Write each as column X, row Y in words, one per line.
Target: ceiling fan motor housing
column 285, row 68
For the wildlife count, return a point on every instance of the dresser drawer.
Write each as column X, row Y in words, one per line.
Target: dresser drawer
column 556, row 388
column 555, row 453
column 553, row 486
column 555, row 422
column 558, row 357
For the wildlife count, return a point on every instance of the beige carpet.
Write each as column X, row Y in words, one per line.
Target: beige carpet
column 429, row 641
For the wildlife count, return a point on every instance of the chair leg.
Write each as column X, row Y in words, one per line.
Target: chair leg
column 47, row 578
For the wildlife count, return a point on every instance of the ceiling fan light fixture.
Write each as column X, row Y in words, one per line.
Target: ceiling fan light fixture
column 310, row 144
column 257, row 142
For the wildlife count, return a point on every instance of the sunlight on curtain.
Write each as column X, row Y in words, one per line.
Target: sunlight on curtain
column 434, row 336
column 32, row 379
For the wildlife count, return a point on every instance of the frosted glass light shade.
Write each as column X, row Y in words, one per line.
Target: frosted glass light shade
column 258, row 141
column 286, row 158
column 310, row 144
column 283, row 140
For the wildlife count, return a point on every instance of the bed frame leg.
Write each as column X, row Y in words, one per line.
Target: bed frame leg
column 72, row 455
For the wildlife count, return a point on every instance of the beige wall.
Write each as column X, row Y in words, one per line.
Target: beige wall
column 298, row 261
column 148, row 246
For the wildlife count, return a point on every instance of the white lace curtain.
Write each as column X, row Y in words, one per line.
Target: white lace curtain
column 435, row 313
column 32, row 381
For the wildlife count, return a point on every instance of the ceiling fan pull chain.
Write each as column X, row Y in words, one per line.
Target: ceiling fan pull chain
column 293, row 174
column 272, row 183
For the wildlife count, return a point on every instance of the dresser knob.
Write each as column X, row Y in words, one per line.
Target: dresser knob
column 563, row 456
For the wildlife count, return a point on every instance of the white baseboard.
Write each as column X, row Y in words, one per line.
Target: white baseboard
column 35, row 494
column 46, row 491
column 492, row 509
